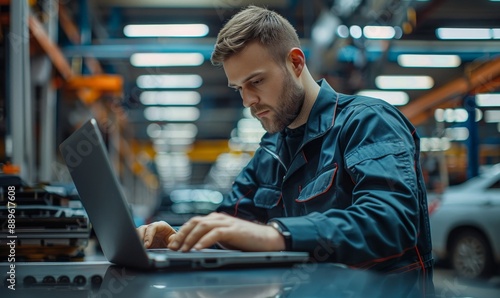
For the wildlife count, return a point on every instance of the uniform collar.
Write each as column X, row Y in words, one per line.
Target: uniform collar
column 322, row 115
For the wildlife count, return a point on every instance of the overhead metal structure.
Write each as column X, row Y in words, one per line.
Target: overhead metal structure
column 420, row 109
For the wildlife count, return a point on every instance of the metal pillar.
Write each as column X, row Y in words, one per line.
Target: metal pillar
column 85, row 30
column 48, row 102
column 19, row 98
column 473, row 140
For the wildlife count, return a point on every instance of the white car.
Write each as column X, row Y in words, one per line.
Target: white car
column 465, row 225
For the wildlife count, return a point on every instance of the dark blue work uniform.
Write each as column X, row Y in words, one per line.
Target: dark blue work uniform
column 351, row 191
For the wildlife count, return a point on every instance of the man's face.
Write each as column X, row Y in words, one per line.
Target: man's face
column 268, row 89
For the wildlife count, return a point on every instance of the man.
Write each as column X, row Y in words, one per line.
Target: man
column 335, row 175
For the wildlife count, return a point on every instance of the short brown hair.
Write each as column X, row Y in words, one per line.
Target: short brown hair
column 255, row 23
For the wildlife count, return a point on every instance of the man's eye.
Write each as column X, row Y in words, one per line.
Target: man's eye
column 256, row 82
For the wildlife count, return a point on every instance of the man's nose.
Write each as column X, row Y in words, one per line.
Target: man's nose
column 249, row 98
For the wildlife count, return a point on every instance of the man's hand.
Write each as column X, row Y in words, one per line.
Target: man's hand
column 231, row 232
column 156, row 235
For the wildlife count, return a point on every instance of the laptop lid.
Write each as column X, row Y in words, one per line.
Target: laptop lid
column 102, row 196
column 86, row 158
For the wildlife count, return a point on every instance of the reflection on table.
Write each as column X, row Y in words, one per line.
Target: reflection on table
column 102, row 279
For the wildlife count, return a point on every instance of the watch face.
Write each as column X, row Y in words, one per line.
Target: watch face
column 280, row 229
column 276, row 226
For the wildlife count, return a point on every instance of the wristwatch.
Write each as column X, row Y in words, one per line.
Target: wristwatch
column 284, row 232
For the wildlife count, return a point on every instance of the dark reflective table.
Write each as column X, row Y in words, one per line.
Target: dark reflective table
column 102, row 279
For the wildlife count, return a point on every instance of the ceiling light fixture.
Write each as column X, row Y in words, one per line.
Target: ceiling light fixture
column 457, row 133
column 455, row 115
column 166, row 59
column 356, row 31
column 169, row 81
column 496, row 33
column 164, row 98
column 379, row 32
column 492, row 116
column 420, row 60
column 175, row 114
column 343, row 31
column 488, row 99
column 464, row 33
column 396, row 98
column 166, row 30
column 404, row 82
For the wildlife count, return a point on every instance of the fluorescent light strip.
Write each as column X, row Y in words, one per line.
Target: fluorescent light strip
column 172, row 131
column 492, row 116
column 186, row 130
column 451, row 115
column 166, row 59
column 169, row 81
column 166, row 30
column 379, row 32
column 180, row 114
column 356, row 31
column 434, row 144
column 457, row 133
column 455, row 115
column 410, row 60
column 464, row 33
column 181, row 98
column 488, row 100
column 404, row 82
column 496, row 33
column 396, row 98
column 343, row 31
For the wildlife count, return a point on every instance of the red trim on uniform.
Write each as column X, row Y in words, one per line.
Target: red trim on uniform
column 238, row 202
column 373, row 262
column 277, row 203
column 423, row 268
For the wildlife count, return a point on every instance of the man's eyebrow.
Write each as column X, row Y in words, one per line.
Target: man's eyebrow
column 248, row 78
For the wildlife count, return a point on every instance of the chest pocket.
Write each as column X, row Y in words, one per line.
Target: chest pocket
column 318, row 185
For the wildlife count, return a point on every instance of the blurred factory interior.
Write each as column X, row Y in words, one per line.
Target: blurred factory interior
column 177, row 135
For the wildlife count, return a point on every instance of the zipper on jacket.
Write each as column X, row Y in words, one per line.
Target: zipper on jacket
column 275, row 156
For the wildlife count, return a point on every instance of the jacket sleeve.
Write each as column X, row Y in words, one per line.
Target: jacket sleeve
column 382, row 221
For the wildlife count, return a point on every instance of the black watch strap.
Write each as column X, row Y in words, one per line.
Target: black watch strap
column 284, row 232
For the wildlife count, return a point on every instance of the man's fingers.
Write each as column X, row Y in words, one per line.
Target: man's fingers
column 198, row 231
column 141, row 231
column 211, row 238
column 156, row 234
column 193, row 230
column 185, row 230
column 149, row 235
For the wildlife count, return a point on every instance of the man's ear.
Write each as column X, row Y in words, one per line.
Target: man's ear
column 297, row 59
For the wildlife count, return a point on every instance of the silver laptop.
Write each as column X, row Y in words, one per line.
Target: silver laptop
column 101, row 194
